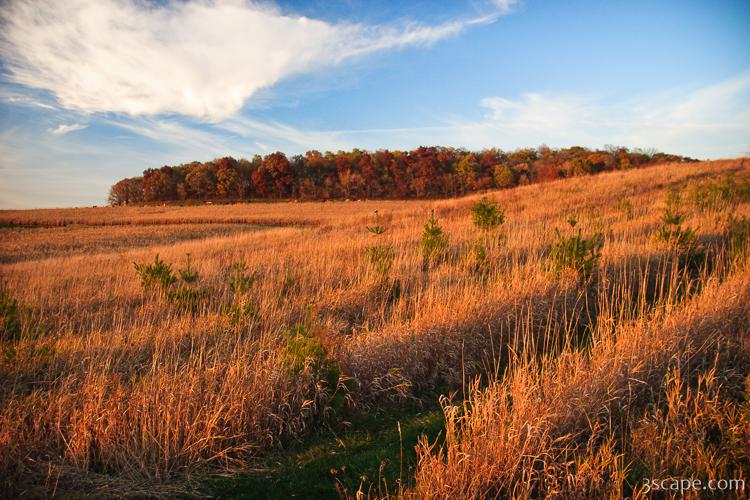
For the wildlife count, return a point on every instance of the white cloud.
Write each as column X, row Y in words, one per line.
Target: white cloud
column 15, row 97
column 539, row 112
column 505, row 5
column 202, row 59
column 169, row 132
column 284, row 137
column 27, row 101
column 707, row 122
column 66, row 128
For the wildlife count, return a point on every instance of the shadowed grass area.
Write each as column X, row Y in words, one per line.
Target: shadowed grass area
column 367, row 452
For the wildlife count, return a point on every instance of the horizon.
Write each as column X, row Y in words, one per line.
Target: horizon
column 94, row 92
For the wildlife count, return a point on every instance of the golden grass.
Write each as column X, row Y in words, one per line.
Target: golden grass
column 34, row 243
column 287, row 213
column 578, row 426
column 110, row 381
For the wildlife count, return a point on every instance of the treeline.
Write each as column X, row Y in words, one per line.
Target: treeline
column 425, row 172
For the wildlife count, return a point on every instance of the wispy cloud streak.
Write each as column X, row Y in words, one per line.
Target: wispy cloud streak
column 201, row 59
column 63, row 128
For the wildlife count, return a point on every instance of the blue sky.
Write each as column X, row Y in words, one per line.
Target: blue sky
column 95, row 90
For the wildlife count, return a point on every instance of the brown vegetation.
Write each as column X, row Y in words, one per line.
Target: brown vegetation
column 582, row 365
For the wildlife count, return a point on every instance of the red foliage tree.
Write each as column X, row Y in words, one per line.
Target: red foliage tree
column 200, row 182
column 424, row 163
column 160, row 184
column 281, row 172
column 228, row 185
column 545, row 172
column 401, row 174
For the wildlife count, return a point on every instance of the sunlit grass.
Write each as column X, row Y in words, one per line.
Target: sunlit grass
column 104, row 378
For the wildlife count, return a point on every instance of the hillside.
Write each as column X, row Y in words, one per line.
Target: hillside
column 569, row 337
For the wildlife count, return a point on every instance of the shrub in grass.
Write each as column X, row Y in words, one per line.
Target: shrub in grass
column 682, row 239
column 738, row 236
column 240, row 283
column 239, row 280
column 240, row 309
column 391, row 290
column 186, row 298
column 705, row 199
column 178, row 290
column 377, row 228
column 10, row 321
column 155, row 276
column 487, row 215
column 671, row 229
column 576, row 253
column 477, row 260
column 381, row 258
column 720, row 194
column 305, row 352
column 188, row 274
column 16, row 320
column 433, row 242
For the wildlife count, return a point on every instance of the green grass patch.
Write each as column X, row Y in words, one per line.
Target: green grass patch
column 365, row 452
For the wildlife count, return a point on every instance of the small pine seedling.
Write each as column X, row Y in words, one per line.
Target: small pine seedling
column 487, row 215
column 433, row 240
column 156, row 275
column 188, row 274
column 378, row 228
column 577, row 253
column 239, row 281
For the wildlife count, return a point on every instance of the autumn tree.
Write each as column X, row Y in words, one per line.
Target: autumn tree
column 425, row 172
column 317, row 176
column 401, row 174
column 160, row 184
column 578, row 166
column 370, row 176
column 263, row 182
column 382, row 160
column 126, row 192
column 200, row 182
column 504, row 177
column 228, row 185
column 275, row 177
column 600, row 162
column 468, row 172
column 488, row 160
column 545, row 171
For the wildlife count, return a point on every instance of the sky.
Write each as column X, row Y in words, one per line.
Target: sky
column 92, row 91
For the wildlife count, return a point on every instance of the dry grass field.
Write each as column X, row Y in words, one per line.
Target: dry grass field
column 565, row 366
